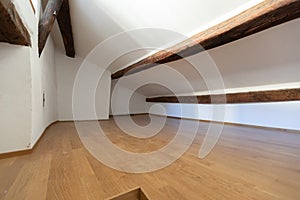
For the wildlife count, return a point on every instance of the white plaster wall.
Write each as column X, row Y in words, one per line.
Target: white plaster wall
column 24, row 77
column 102, row 96
column 283, row 115
column 125, row 101
column 15, row 98
column 66, row 69
column 15, row 92
column 43, row 77
column 43, row 74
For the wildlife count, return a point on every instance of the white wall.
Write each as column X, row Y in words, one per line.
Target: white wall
column 15, row 98
column 43, row 79
column 24, row 77
column 125, row 101
column 66, row 69
column 283, row 115
column 43, row 76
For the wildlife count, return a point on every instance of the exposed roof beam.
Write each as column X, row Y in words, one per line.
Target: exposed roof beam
column 59, row 9
column 12, row 29
column 47, row 21
column 231, row 98
column 65, row 26
column 267, row 14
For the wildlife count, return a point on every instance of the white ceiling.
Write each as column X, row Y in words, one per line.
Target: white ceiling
column 94, row 21
column 266, row 58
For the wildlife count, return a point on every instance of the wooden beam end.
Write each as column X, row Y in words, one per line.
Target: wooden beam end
column 12, row 29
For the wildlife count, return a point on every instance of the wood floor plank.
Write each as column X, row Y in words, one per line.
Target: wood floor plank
column 40, row 178
column 19, row 188
column 9, row 171
column 64, row 182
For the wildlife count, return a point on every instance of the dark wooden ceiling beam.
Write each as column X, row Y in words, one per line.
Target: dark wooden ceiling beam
column 65, row 26
column 12, row 29
column 243, row 97
column 267, row 14
column 47, row 21
column 57, row 9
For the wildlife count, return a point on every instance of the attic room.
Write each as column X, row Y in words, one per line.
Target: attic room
column 149, row 100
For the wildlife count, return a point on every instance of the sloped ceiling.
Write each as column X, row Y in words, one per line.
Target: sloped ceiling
column 269, row 57
column 97, row 20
